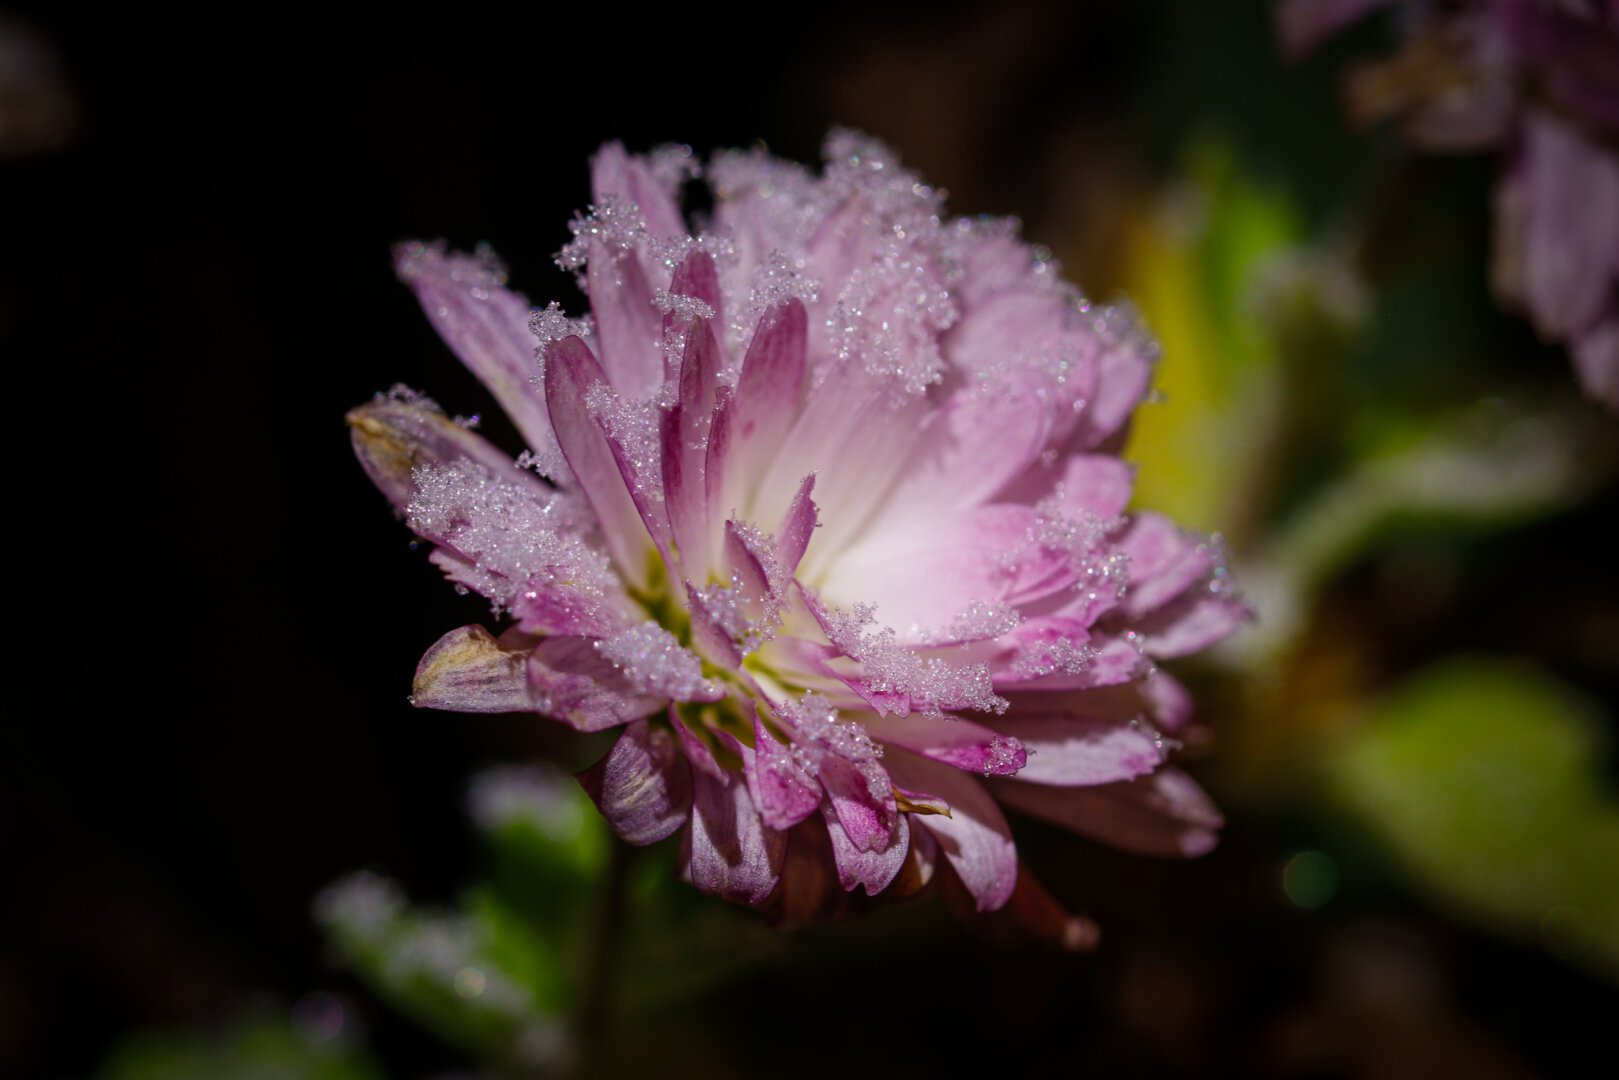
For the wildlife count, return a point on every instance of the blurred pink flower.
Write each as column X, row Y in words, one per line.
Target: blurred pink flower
column 1539, row 81
column 831, row 524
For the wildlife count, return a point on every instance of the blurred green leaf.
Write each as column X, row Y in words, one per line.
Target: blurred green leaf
column 257, row 1049
column 1483, row 779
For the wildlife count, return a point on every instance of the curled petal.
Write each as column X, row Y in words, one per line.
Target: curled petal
column 974, row 837
column 729, row 850
column 873, row 869
column 863, row 799
column 643, row 785
column 468, row 670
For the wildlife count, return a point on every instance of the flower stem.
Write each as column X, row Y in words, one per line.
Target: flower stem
column 600, row 975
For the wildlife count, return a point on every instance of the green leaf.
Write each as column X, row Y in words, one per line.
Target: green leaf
column 262, row 1048
column 1483, row 781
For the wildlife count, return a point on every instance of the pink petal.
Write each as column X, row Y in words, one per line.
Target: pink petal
column 797, row 527
column 1164, row 813
column 925, row 578
column 570, row 681
column 1098, row 484
column 953, row 741
column 729, row 850
column 614, row 172
column 394, row 437
column 1191, row 625
column 863, row 799
column 571, row 375
column 467, row 670
column 684, row 448
column 1572, row 230
column 784, row 793
column 485, row 325
column 975, row 837
column 643, row 785
column 1596, row 361
column 1071, row 751
column 976, row 443
column 874, row 870
column 769, row 388
column 1124, row 371
column 1169, row 703
column 628, row 327
column 1050, row 655
column 1301, row 25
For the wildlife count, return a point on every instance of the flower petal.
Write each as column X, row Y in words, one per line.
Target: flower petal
column 467, row 670
column 863, row 800
column 975, row 837
column 642, row 785
column 873, row 869
column 1572, row 226
column 571, row 376
column 1192, row 623
column 392, row 438
column 485, row 325
column 768, row 390
column 1071, row 751
column 1164, row 813
column 951, row 740
column 571, row 681
column 729, row 850
column 784, row 793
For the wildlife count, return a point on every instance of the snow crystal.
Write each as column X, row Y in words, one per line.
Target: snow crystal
column 655, row 662
column 515, row 537
column 886, row 667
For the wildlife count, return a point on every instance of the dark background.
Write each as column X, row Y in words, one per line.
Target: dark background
column 222, row 616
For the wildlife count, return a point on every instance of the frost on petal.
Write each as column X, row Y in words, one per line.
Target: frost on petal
column 574, row 383
column 896, row 678
column 1073, row 751
column 467, row 670
column 783, row 789
column 653, row 661
column 570, row 681
column 399, row 432
column 953, row 741
column 521, row 545
column 485, row 324
column 642, row 785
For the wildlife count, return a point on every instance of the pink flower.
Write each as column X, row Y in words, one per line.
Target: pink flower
column 823, row 509
column 1538, row 80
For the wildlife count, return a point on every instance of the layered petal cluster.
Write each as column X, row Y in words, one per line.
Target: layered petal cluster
column 1537, row 80
column 822, row 509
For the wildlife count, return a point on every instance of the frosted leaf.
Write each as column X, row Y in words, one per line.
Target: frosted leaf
column 516, row 538
column 932, row 684
column 655, row 663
